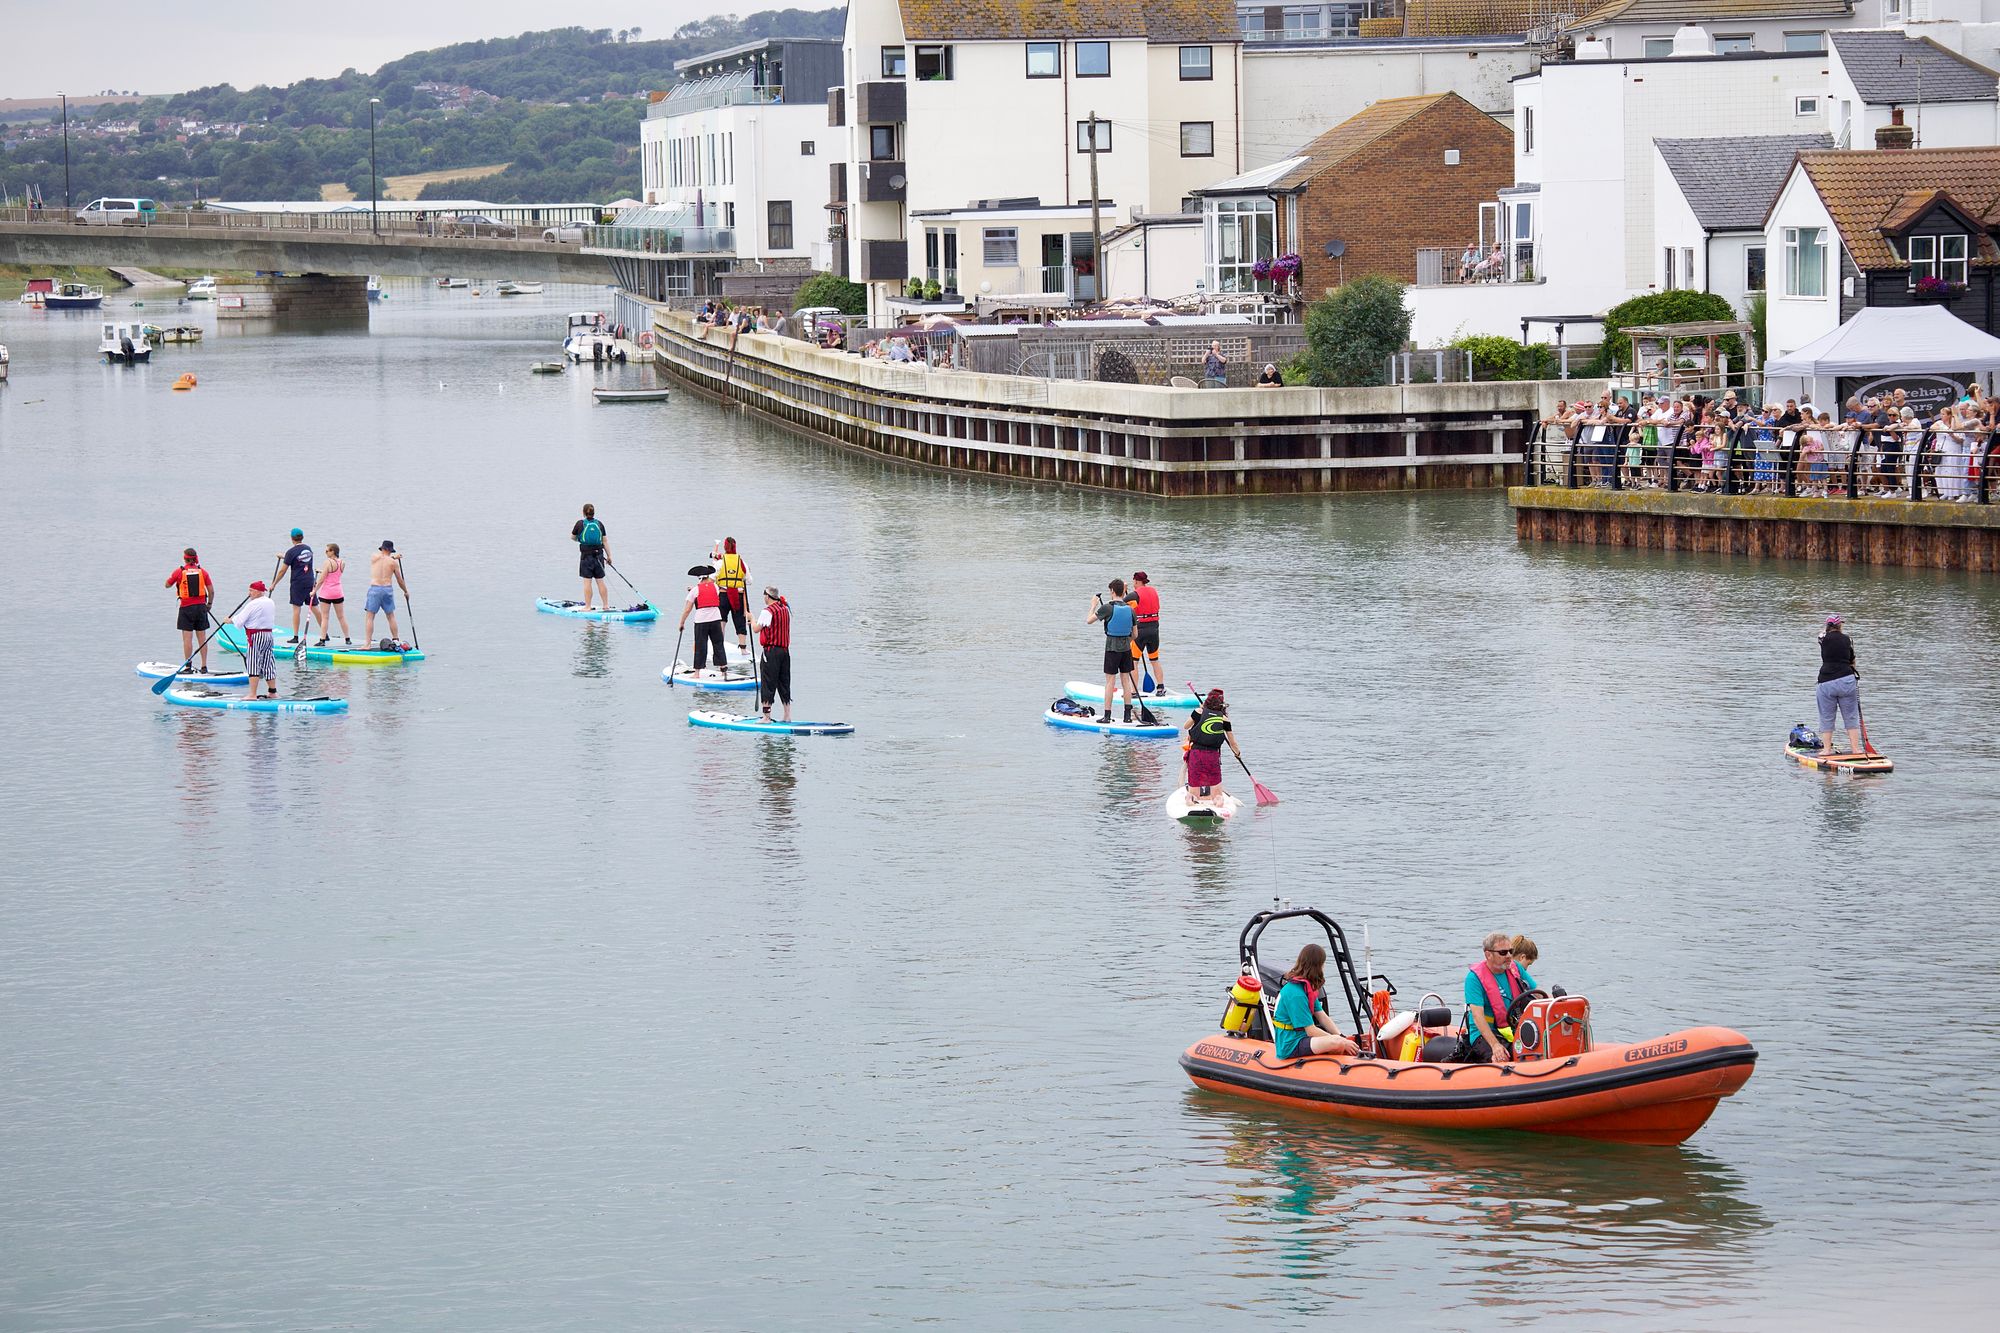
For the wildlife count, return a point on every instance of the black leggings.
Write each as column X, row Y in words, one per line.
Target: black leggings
column 707, row 635
column 732, row 609
column 774, row 676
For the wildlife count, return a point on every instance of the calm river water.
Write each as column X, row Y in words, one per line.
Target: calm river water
column 509, row 1002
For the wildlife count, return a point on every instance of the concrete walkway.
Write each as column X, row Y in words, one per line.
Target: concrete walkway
column 139, row 277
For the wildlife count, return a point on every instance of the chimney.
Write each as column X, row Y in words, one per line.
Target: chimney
column 1895, row 134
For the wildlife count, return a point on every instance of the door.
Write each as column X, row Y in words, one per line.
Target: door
column 1054, row 263
column 1082, row 266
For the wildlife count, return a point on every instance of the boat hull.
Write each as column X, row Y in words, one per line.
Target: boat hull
column 1654, row 1092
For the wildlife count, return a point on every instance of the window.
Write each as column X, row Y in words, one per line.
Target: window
column 1936, row 257
column 1093, row 60
column 1735, row 44
column 1656, row 47
column 1197, row 138
column 729, row 215
column 1242, row 232
column 882, row 143
column 1667, row 274
column 1805, row 41
column 933, row 62
column 893, row 66
column 1805, row 106
column 1197, row 62
column 1805, row 261
column 807, row 148
column 1086, row 128
column 1753, row 269
column 1528, row 130
column 778, row 219
column 1045, row 60
column 1000, row 247
column 1687, row 268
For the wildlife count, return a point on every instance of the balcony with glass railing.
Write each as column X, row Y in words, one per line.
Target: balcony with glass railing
column 1305, row 23
column 678, row 105
column 647, row 242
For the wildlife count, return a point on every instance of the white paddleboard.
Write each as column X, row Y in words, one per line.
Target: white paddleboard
column 737, row 676
column 1182, row 805
column 161, row 670
column 1086, row 693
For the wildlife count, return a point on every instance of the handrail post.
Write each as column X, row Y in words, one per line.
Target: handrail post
column 1986, row 466
column 1618, row 456
column 1674, row 459
column 1917, row 463
column 1854, row 458
column 1788, row 455
column 1732, row 446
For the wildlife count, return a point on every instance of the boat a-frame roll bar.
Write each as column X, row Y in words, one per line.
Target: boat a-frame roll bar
column 1352, row 985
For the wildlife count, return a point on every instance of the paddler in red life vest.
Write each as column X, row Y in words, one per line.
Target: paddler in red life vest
column 197, row 591
column 1145, row 601
column 1492, row 986
column 704, row 603
column 774, row 636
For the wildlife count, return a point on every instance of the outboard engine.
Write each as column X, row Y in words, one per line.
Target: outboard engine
column 125, row 348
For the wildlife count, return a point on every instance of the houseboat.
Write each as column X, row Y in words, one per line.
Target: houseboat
column 125, row 344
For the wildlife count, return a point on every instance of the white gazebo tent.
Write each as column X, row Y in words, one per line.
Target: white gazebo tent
column 1883, row 342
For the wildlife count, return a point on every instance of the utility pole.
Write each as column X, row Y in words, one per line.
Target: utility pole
column 68, row 206
column 374, row 186
column 1096, row 219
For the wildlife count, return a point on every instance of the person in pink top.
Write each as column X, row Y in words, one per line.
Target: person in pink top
column 327, row 593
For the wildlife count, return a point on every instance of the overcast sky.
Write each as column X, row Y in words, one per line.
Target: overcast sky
column 168, row 47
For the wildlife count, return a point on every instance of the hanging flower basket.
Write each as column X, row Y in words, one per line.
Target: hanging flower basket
column 1261, row 270
column 1937, row 289
column 1285, row 267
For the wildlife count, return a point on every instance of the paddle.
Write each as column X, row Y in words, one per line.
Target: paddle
column 677, row 655
column 1265, row 796
column 1867, row 746
column 615, row 570
column 409, row 602
column 166, row 683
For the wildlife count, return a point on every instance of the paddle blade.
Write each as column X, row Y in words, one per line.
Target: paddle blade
column 1149, row 683
column 1265, row 796
column 164, row 683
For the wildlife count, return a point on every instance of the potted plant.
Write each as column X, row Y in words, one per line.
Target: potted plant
column 932, row 291
column 1937, row 289
column 915, row 290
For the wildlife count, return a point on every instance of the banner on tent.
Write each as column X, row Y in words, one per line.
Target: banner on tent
column 1926, row 393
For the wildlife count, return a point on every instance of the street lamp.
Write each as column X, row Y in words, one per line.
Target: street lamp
column 68, row 206
column 373, row 188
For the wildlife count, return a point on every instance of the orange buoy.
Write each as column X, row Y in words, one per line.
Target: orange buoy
column 184, row 383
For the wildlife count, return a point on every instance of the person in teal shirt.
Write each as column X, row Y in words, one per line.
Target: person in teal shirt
column 1303, row 1026
column 1490, row 1041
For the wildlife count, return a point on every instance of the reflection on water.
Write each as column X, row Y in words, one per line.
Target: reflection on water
column 593, row 650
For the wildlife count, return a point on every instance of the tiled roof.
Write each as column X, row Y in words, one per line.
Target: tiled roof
column 1460, row 18
column 1862, row 190
column 1889, row 67
column 1730, row 183
column 1037, row 20
column 1676, row 12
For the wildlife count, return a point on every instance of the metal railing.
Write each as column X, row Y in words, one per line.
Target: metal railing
column 677, row 106
column 1845, row 463
column 1441, row 266
column 399, row 222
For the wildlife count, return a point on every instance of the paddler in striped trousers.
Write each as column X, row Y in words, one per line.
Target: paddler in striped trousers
column 256, row 620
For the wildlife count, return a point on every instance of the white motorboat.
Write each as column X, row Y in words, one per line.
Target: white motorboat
column 3, row 361
column 125, row 344
column 453, row 282
column 202, row 289
column 590, row 338
column 375, row 288
column 73, row 296
column 519, row 289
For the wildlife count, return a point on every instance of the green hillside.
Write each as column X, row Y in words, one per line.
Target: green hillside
column 562, row 106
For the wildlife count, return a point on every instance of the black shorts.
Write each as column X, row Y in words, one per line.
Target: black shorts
column 193, row 617
column 1147, row 636
column 301, row 593
column 590, row 562
column 1117, row 662
column 330, row 601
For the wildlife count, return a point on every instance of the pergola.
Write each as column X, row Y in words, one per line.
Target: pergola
column 1706, row 331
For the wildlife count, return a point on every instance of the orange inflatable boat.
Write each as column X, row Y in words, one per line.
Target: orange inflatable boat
column 1562, row 1081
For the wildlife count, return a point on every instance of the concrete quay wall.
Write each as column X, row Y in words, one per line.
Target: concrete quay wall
column 1928, row 534
column 310, row 297
column 1140, row 438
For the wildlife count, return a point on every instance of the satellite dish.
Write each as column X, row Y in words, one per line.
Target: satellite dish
column 1335, row 249
column 895, row 182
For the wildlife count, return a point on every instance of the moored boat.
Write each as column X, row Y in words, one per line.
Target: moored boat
column 519, row 289
column 3, row 361
column 72, row 296
column 125, row 344
column 630, row 395
column 202, row 289
column 1562, row 1080
column 453, row 283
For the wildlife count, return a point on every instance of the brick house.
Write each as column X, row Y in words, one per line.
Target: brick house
column 1400, row 176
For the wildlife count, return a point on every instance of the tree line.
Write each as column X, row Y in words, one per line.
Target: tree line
column 547, row 117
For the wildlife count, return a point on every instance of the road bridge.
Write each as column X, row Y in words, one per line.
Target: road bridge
column 339, row 244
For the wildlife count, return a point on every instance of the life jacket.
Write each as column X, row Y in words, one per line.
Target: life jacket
column 1496, row 1008
column 706, row 595
column 732, row 573
column 777, row 634
column 592, row 533
column 193, row 584
column 1312, row 1004
column 1146, row 604
column 1120, row 624
column 1205, row 736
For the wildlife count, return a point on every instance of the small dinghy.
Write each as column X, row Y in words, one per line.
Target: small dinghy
column 630, row 395
column 1562, row 1080
column 546, row 368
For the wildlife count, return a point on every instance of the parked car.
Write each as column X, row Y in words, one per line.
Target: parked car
column 478, row 224
column 117, row 212
column 567, row 233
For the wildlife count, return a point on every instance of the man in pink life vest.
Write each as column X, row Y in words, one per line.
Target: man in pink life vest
column 1492, row 985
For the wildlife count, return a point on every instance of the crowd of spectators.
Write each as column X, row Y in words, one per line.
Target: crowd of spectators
column 1896, row 449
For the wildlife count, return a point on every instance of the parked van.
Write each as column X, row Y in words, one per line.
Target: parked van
column 117, row 212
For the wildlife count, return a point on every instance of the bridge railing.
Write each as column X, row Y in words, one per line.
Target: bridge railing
column 398, row 223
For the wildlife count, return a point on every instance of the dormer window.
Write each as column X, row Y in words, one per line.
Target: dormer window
column 1941, row 257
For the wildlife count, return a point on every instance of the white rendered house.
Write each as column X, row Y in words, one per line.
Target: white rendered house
column 970, row 134
column 1947, row 100
column 1709, row 201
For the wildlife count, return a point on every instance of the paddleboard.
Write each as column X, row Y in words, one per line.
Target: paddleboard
column 202, row 696
column 1163, row 731
column 1858, row 764
column 1182, row 806
column 703, row 717
column 1085, row 693
column 738, row 677
column 160, row 670
column 566, row 608
column 285, row 646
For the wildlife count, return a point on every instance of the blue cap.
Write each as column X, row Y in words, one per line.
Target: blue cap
column 298, row 533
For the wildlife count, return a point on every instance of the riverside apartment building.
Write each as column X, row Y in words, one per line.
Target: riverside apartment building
column 970, row 127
